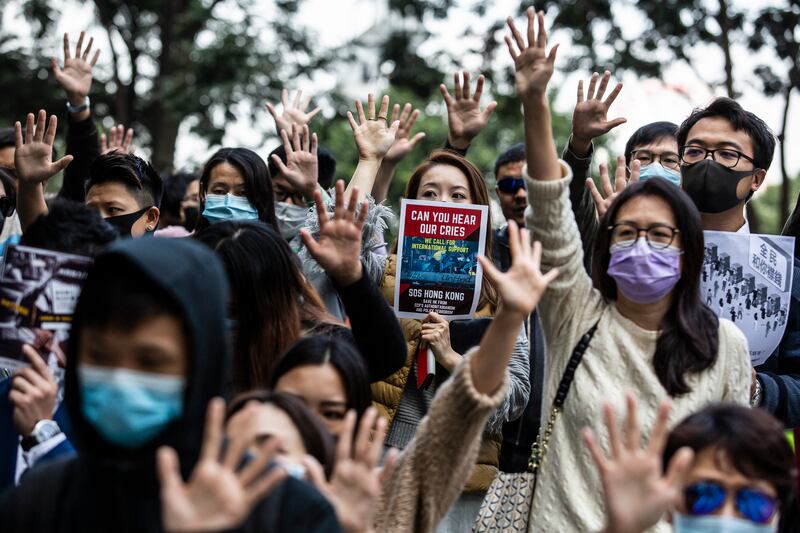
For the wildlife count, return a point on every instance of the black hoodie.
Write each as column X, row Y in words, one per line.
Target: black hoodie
column 109, row 488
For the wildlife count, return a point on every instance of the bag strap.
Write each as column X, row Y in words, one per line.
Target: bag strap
column 539, row 447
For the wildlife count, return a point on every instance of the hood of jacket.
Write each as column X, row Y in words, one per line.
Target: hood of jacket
column 190, row 274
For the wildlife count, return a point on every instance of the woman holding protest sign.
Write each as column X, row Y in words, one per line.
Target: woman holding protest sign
column 444, row 177
column 647, row 328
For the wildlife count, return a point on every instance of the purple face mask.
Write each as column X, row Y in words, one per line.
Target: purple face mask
column 644, row 275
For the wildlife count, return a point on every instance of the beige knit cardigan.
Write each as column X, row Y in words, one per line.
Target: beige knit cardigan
column 430, row 473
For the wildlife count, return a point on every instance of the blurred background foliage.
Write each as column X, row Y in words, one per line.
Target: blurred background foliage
column 202, row 63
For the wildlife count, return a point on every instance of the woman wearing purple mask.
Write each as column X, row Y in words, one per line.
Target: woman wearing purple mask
column 654, row 335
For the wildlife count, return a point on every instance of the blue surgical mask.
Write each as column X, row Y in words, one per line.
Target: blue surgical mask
column 655, row 170
column 129, row 408
column 222, row 207
column 716, row 524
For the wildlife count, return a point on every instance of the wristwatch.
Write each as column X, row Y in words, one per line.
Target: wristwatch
column 43, row 431
column 78, row 108
column 755, row 398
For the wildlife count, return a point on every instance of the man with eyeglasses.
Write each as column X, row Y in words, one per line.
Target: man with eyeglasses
column 725, row 153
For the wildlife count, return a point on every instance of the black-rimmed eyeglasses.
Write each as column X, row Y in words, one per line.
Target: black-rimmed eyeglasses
column 658, row 236
column 727, row 157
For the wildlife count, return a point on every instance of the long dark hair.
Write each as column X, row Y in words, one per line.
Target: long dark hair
column 257, row 182
column 317, row 441
column 480, row 196
column 320, row 350
column 271, row 299
column 689, row 330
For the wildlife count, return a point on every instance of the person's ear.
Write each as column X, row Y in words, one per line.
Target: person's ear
column 151, row 217
column 758, row 179
column 497, row 191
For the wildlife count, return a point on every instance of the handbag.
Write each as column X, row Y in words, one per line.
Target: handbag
column 508, row 502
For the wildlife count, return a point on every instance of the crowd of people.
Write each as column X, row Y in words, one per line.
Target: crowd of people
column 234, row 360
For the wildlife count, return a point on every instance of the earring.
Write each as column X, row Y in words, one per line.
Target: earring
column 149, row 228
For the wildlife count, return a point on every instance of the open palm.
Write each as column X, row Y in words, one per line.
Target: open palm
column 301, row 168
column 636, row 489
column 590, row 118
column 403, row 143
column 533, row 65
column 217, row 496
column 522, row 286
column 465, row 118
column 294, row 112
column 33, row 158
column 621, row 180
column 76, row 76
column 373, row 134
column 338, row 250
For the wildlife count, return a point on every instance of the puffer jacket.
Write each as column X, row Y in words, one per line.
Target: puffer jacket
column 386, row 394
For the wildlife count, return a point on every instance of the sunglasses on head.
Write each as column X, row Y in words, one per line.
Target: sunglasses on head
column 708, row 497
column 7, row 206
column 511, row 185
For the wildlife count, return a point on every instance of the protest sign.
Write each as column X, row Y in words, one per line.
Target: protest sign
column 437, row 259
column 38, row 293
column 748, row 280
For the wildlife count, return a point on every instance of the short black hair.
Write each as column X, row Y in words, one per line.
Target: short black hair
column 752, row 440
column 174, row 190
column 136, row 174
column 515, row 154
column 326, row 171
column 741, row 120
column 7, row 137
column 647, row 134
column 70, row 227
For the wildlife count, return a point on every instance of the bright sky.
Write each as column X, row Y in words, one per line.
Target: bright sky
column 641, row 101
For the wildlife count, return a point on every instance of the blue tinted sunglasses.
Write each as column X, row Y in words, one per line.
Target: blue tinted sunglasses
column 511, row 184
column 708, row 497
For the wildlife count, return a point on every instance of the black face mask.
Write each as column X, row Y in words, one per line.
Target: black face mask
column 711, row 186
column 124, row 223
column 190, row 215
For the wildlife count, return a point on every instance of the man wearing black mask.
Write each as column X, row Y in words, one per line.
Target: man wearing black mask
column 124, row 188
column 725, row 153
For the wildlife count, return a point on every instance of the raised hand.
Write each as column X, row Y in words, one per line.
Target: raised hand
column 621, row 180
column 636, row 491
column 533, row 65
column 590, row 118
column 76, row 76
column 464, row 116
column 301, row 168
column 523, row 285
column 356, row 481
column 374, row 136
column 33, row 393
column 403, row 144
column 118, row 140
column 33, row 158
column 217, row 495
column 339, row 248
column 294, row 112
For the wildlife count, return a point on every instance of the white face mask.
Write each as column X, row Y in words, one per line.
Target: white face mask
column 291, row 218
column 717, row 524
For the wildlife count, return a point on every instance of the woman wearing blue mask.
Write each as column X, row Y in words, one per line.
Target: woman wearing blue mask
column 638, row 324
column 724, row 469
column 235, row 185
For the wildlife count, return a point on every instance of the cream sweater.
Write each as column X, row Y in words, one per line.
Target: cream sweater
column 568, row 495
column 433, row 468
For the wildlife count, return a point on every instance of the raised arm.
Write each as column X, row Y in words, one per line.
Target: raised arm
column 589, row 121
column 374, row 137
column 375, row 328
column 465, row 119
column 294, row 112
column 534, row 68
column 302, row 167
column 402, row 146
column 33, row 159
column 82, row 142
column 437, row 462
